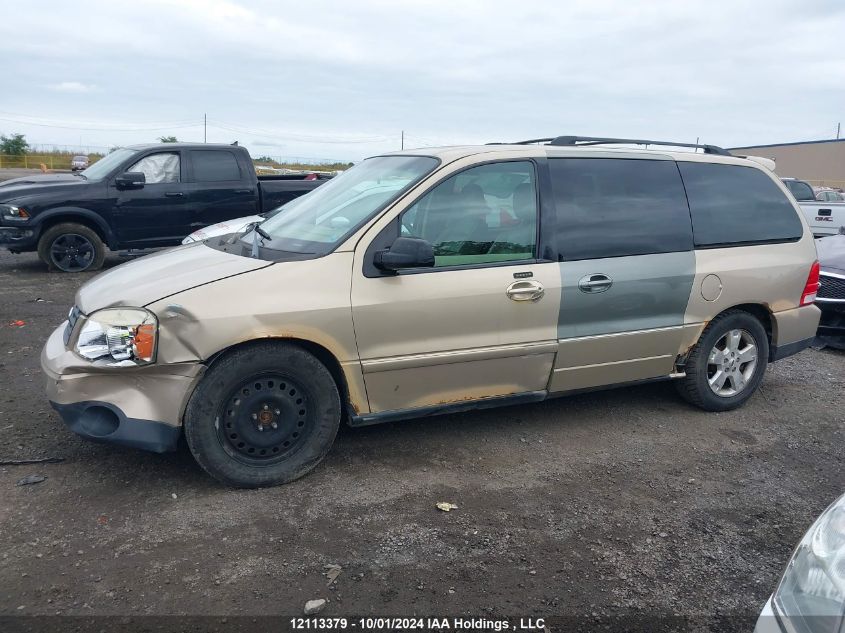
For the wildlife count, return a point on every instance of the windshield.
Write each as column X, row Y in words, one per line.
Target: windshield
column 105, row 165
column 317, row 222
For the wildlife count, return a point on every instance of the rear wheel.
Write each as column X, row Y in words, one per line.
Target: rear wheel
column 727, row 364
column 71, row 248
column 263, row 415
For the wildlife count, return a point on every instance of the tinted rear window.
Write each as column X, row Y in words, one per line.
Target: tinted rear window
column 215, row 166
column 732, row 204
column 618, row 207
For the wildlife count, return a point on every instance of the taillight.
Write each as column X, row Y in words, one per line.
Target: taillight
column 812, row 286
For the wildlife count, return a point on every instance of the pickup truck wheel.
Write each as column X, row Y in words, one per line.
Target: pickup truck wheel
column 71, row 248
column 727, row 364
column 263, row 415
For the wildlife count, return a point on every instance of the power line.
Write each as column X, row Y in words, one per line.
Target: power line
column 291, row 136
column 102, row 129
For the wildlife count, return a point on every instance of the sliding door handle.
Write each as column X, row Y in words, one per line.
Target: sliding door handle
column 597, row 282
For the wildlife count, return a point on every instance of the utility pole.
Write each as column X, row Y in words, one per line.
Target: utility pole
column 837, row 129
column 403, row 139
column 204, row 127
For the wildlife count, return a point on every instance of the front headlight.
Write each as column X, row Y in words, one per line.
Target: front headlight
column 188, row 240
column 119, row 337
column 811, row 595
column 11, row 212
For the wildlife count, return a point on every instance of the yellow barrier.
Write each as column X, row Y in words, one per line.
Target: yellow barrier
column 34, row 161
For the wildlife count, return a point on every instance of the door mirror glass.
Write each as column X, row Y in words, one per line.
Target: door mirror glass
column 130, row 180
column 405, row 252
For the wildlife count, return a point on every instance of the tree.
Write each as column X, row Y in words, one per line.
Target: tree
column 168, row 139
column 15, row 144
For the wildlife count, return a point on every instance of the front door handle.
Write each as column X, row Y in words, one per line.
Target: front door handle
column 597, row 282
column 174, row 194
column 525, row 290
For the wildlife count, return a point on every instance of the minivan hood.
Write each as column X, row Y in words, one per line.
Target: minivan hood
column 142, row 281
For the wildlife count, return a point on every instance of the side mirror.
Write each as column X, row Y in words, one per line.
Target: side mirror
column 130, row 180
column 405, row 252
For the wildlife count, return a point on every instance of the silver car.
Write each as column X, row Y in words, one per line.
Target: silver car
column 79, row 162
column 810, row 597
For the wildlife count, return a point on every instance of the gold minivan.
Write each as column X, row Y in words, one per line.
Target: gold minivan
column 441, row 280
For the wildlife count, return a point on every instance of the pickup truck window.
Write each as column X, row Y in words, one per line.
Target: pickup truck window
column 316, row 223
column 159, row 168
column 215, row 166
column 735, row 205
column 108, row 163
column 801, row 190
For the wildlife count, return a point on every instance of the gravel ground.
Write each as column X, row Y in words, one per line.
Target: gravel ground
column 626, row 503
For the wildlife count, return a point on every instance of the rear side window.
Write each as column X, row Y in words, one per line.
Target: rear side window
column 732, row 204
column 215, row 166
column 618, row 207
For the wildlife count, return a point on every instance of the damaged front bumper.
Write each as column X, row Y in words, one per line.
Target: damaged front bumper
column 18, row 238
column 140, row 407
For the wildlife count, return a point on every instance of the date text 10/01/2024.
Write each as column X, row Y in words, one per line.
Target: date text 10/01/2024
column 417, row 624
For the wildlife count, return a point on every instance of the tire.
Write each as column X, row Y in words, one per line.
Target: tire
column 263, row 415
column 83, row 248
column 716, row 352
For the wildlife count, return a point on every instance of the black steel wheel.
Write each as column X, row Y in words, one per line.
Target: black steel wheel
column 264, row 419
column 263, row 414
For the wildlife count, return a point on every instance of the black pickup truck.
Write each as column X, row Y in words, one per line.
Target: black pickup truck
column 137, row 197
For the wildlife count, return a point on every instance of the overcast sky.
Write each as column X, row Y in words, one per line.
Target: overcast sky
column 342, row 79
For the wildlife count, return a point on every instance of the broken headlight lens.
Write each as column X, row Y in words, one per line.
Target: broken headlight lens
column 119, row 337
column 811, row 595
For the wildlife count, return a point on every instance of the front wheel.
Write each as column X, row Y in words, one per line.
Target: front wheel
column 727, row 364
column 263, row 415
column 71, row 248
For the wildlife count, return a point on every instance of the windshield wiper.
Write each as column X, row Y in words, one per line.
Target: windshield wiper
column 254, row 226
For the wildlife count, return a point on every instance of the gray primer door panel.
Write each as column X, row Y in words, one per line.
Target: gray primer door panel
column 647, row 292
column 628, row 331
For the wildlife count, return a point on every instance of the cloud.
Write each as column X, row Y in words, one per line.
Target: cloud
column 318, row 83
column 72, row 86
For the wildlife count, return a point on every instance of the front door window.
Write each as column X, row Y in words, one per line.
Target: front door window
column 482, row 215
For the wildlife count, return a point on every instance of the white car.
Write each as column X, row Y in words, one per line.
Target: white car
column 810, row 597
column 238, row 225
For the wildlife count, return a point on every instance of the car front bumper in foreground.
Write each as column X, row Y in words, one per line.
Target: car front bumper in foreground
column 139, row 407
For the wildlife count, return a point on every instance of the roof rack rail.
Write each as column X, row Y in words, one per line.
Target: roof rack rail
column 598, row 140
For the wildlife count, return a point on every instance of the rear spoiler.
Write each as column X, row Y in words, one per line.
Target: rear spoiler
column 768, row 163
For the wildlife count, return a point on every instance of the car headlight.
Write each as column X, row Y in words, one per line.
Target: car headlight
column 811, row 594
column 188, row 240
column 119, row 337
column 11, row 212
